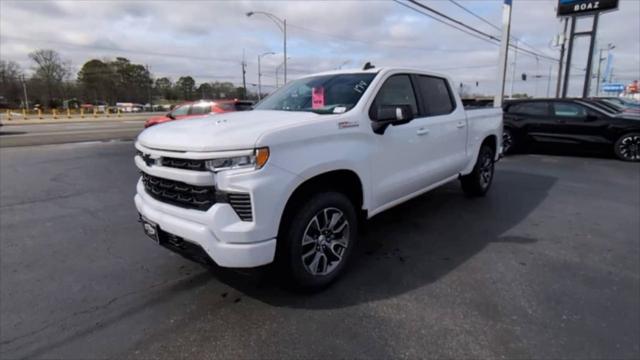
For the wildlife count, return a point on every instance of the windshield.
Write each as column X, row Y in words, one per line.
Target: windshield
column 325, row 94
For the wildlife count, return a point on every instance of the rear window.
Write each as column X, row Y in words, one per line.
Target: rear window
column 532, row 108
column 435, row 95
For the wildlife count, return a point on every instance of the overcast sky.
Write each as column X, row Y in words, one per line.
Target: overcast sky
column 206, row 39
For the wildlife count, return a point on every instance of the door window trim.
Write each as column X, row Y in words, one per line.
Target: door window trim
column 424, row 108
column 419, row 108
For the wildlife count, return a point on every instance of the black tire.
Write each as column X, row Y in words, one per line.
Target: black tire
column 478, row 182
column 509, row 145
column 627, row 147
column 325, row 246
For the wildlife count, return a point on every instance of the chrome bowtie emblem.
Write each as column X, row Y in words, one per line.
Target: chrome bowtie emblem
column 148, row 160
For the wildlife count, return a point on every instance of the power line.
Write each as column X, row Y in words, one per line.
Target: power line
column 475, row 32
column 444, row 22
column 484, row 20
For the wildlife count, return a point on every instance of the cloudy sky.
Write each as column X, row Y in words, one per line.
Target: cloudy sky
column 207, row 39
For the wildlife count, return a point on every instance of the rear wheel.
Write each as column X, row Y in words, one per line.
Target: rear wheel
column 627, row 148
column 478, row 182
column 319, row 240
column 508, row 141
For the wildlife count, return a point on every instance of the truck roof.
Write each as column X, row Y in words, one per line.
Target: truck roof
column 377, row 70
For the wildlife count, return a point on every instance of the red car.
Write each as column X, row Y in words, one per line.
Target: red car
column 200, row 108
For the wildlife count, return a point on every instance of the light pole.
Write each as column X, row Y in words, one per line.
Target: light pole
column 260, row 73
column 277, row 71
column 282, row 25
column 600, row 58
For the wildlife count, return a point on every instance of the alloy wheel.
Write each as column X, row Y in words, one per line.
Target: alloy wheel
column 629, row 148
column 486, row 169
column 325, row 241
column 507, row 141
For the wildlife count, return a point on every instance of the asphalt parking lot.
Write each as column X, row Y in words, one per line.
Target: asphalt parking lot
column 546, row 266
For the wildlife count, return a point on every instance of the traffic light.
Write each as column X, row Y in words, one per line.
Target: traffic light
column 524, row 77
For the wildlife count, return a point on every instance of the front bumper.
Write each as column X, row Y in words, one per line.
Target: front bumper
column 181, row 222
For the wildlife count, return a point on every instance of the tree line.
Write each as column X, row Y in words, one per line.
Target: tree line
column 52, row 84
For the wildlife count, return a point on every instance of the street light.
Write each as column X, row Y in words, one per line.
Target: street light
column 260, row 73
column 282, row 25
column 278, row 70
column 600, row 58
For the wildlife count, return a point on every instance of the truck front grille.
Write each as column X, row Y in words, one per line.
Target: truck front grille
column 179, row 193
column 196, row 165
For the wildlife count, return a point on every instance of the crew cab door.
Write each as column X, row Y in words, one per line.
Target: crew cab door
column 575, row 123
column 398, row 157
column 446, row 124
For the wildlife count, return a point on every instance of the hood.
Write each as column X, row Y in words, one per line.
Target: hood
column 228, row 131
column 628, row 116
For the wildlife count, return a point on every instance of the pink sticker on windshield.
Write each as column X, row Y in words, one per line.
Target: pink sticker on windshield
column 317, row 97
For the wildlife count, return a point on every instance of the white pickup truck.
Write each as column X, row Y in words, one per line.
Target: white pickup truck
column 289, row 181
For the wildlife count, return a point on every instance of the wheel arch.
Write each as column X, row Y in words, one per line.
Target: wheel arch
column 342, row 180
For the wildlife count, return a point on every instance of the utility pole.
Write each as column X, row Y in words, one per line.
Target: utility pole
column 513, row 71
column 535, row 94
column 244, row 80
column 24, row 89
column 549, row 79
column 600, row 59
column 504, row 53
column 149, row 86
column 560, row 63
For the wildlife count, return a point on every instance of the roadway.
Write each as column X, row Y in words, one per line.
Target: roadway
column 546, row 266
column 68, row 132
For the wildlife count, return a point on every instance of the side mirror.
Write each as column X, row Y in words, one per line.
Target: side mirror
column 385, row 115
column 170, row 116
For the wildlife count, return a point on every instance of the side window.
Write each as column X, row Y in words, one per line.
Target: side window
column 397, row 90
column 435, row 95
column 569, row 110
column 533, row 108
column 226, row 106
column 200, row 109
column 181, row 110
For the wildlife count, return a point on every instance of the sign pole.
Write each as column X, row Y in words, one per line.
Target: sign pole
column 565, row 85
column 587, row 76
column 504, row 52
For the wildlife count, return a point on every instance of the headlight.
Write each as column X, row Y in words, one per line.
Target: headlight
column 255, row 160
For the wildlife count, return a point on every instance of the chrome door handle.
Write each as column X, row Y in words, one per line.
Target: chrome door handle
column 460, row 125
column 422, row 131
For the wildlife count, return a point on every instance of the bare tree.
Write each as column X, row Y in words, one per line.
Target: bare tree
column 10, row 82
column 51, row 70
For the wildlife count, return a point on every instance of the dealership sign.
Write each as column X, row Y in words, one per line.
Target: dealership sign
column 613, row 87
column 585, row 7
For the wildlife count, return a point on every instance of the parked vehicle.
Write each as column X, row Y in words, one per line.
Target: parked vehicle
column 618, row 105
column 199, row 108
column 289, row 180
column 571, row 122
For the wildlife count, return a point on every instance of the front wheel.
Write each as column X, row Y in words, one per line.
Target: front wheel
column 478, row 182
column 319, row 240
column 627, row 148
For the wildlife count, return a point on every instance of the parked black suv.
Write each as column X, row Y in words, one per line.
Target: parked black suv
column 572, row 122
